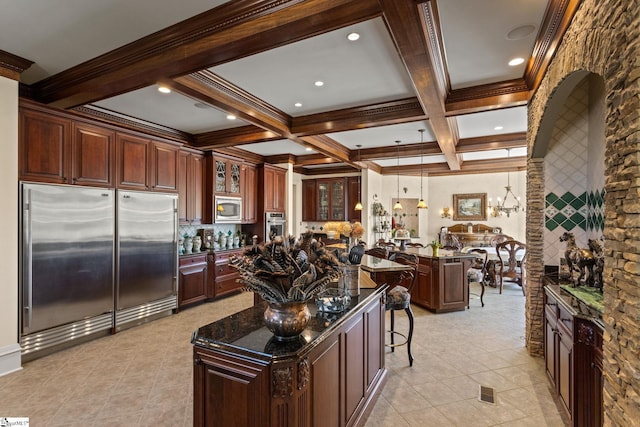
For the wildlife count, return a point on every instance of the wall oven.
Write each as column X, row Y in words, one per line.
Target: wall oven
column 275, row 225
column 228, row 210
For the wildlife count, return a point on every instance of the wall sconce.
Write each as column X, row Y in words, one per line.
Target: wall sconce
column 493, row 211
column 444, row 213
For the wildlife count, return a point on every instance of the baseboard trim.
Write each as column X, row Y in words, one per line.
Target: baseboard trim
column 10, row 359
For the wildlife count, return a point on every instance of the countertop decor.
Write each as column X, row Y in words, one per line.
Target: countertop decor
column 287, row 274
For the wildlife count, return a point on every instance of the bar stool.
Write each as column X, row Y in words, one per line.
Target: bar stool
column 399, row 298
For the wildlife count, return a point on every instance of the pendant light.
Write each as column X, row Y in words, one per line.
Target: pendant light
column 398, row 206
column 358, row 206
column 421, row 203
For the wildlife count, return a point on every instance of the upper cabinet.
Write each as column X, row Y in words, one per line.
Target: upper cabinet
column 274, row 188
column 56, row 150
column 249, row 194
column 60, row 148
column 330, row 199
column 227, row 175
column 190, row 187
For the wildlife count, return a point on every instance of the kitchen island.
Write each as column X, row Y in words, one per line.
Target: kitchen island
column 442, row 280
column 329, row 376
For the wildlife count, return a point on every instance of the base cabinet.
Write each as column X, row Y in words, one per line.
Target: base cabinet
column 442, row 284
column 222, row 277
column 330, row 381
column 192, row 280
column 573, row 360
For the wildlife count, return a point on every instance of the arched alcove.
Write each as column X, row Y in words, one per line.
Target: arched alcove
column 571, row 142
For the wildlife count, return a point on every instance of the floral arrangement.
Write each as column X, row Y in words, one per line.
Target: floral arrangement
column 283, row 270
column 345, row 228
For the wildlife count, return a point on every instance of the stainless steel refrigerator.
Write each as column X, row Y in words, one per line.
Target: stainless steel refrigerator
column 92, row 261
column 147, row 262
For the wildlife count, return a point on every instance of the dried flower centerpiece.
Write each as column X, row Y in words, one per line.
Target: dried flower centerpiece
column 287, row 274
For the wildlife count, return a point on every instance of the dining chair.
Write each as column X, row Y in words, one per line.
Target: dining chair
column 499, row 238
column 481, row 268
column 508, row 265
column 414, row 245
column 399, row 298
column 378, row 252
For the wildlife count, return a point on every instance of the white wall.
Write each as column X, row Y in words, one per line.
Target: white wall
column 9, row 347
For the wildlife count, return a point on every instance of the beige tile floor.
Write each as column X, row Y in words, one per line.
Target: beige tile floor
column 143, row 376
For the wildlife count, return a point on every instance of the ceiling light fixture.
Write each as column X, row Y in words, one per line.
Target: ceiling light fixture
column 358, row 206
column 498, row 128
column 231, row 117
column 501, row 207
column 308, row 149
column 421, row 203
column 516, row 61
column 319, row 83
column 298, row 104
column 398, row 205
column 164, row 89
column 353, row 36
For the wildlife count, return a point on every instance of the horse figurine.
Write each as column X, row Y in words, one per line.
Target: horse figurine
column 598, row 253
column 578, row 259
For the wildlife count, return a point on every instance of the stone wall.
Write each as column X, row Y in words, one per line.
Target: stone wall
column 604, row 39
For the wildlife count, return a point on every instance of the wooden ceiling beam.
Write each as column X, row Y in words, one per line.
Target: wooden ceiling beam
column 228, row 32
column 404, row 18
column 361, row 117
column 234, row 136
column 510, row 164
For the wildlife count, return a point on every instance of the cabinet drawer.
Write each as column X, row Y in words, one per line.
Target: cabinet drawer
column 224, row 269
column 226, row 284
column 192, row 260
column 565, row 318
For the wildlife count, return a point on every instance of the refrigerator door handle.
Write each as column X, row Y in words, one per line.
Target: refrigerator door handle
column 28, row 254
column 175, row 246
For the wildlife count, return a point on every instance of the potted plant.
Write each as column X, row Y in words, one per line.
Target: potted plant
column 435, row 246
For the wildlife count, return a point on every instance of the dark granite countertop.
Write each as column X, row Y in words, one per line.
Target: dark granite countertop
column 245, row 335
column 577, row 305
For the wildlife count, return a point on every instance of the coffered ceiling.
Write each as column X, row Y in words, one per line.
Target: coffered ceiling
column 438, row 65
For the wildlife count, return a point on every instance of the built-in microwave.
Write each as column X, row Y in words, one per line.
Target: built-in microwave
column 228, row 210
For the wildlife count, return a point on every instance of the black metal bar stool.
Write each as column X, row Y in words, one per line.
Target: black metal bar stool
column 399, row 298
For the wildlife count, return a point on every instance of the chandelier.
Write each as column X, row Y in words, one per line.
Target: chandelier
column 504, row 206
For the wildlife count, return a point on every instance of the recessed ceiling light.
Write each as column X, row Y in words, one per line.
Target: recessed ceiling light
column 520, row 32
column 319, row 83
column 308, row 149
column 353, row 36
column 516, row 61
column 164, row 89
column 298, row 104
column 498, row 128
column 231, row 117
column 202, row 105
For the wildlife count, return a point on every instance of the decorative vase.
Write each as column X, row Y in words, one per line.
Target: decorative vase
column 287, row 320
column 188, row 245
column 223, row 242
column 229, row 242
column 197, row 243
column 180, row 246
column 236, row 242
column 434, row 250
column 350, row 280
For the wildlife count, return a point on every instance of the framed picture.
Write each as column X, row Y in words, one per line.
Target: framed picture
column 470, row 207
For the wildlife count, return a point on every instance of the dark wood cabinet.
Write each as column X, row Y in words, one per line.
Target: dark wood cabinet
column 93, row 154
column 222, row 277
column 273, row 186
column 573, row 360
column 442, row 283
column 330, row 379
column 190, row 187
column 226, row 175
column 249, row 194
column 309, row 200
column 164, row 167
column 327, row 200
column 192, row 279
column 133, row 162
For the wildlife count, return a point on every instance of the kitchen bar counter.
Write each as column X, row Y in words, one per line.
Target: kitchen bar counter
column 243, row 376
